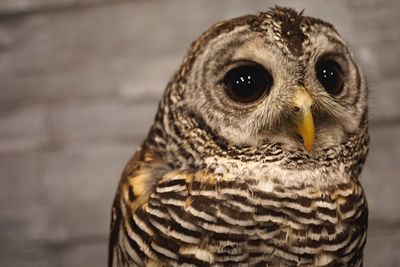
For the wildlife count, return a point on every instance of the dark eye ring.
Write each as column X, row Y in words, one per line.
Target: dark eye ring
column 247, row 83
column 330, row 76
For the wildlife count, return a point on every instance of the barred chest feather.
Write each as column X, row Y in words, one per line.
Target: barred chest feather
column 211, row 217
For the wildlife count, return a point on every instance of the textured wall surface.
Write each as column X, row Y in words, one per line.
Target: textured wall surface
column 79, row 86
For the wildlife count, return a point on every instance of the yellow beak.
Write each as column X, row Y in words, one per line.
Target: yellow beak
column 303, row 117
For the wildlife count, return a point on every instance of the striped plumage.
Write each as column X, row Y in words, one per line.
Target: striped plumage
column 217, row 183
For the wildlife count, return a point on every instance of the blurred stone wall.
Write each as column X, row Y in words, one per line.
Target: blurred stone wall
column 12, row 7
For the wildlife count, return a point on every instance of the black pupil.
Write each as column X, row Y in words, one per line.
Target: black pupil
column 330, row 75
column 247, row 83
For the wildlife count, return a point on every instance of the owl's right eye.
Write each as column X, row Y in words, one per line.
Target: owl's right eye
column 248, row 83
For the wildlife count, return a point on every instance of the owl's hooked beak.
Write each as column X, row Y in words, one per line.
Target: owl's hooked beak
column 303, row 118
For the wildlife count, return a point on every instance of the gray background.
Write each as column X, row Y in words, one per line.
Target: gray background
column 79, row 86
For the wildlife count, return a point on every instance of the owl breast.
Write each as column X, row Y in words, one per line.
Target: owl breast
column 206, row 219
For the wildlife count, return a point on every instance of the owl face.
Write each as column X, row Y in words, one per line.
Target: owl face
column 277, row 77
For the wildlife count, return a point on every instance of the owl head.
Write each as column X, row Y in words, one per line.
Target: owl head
column 278, row 77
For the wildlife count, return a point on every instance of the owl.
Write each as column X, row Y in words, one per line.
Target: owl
column 254, row 155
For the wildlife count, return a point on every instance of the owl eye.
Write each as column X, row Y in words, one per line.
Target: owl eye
column 330, row 76
column 247, row 83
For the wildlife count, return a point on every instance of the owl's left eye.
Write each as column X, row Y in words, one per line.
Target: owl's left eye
column 330, row 76
column 248, row 83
